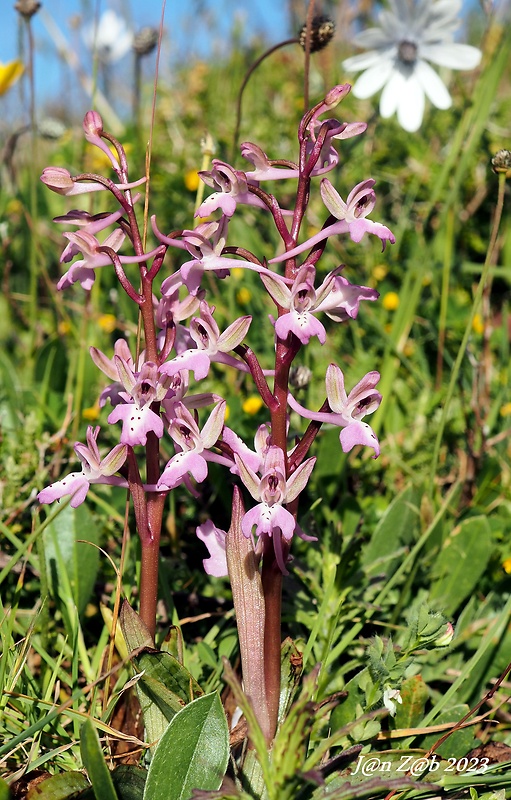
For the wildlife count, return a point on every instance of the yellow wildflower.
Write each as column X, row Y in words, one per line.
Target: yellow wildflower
column 505, row 410
column 506, row 565
column 244, row 296
column 91, row 413
column 64, row 327
column 192, row 180
column 390, row 301
column 107, row 322
column 379, row 272
column 477, row 324
column 252, row 404
column 9, row 74
column 237, row 273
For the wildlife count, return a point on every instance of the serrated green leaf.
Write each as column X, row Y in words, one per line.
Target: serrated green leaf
column 79, row 559
column 192, row 754
column 59, row 787
column 95, row 764
column 460, row 564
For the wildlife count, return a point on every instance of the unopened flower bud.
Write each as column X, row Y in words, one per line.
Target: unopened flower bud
column 321, row 33
column 501, row 161
column 336, row 94
column 446, row 637
column 27, row 8
column 57, row 179
column 145, row 41
column 93, row 124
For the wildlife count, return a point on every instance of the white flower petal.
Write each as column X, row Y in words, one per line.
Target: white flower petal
column 453, row 55
column 372, row 80
column 433, row 86
column 363, row 61
column 410, row 108
column 372, row 38
column 391, row 94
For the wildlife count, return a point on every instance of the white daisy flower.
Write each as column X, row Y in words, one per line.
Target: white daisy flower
column 410, row 35
column 111, row 37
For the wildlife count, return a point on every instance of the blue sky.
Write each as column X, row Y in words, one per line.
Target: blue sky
column 195, row 27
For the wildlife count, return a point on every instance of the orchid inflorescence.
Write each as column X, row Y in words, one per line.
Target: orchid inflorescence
column 149, row 393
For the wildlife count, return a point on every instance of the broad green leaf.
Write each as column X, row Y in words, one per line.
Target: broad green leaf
column 459, row 743
column 59, row 787
column 397, row 528
column 165, row 686
column 79, row 559
column 4, row 790
column 162, row 669
column 414, row 694
column 460, row 564
column 95, row 764
column 192, row 753
column 128, row 780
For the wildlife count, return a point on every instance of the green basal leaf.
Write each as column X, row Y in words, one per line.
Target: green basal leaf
column 461, row 563
column 79, row 559
column 459, row 743
column 192, row 754
column 397, row 528
column 414, row 694
column 165, row 686
column 95, row 764
column 4, row 790
column 59, row 787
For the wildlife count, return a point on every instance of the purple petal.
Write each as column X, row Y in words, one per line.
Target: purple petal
column 214, row 539
column 75, row 484
column 359, row 433
column 196, row 360
column 136, row 423
column 179, row 465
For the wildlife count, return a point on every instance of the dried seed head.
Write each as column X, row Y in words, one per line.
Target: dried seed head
column 27, row 8
column 145, row 41
column 322, row 31
column 501, row 161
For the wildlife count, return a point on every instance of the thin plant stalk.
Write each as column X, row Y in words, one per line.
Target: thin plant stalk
column 468, row 328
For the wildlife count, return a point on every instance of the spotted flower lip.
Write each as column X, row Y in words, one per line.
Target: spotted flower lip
column 408, row 37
